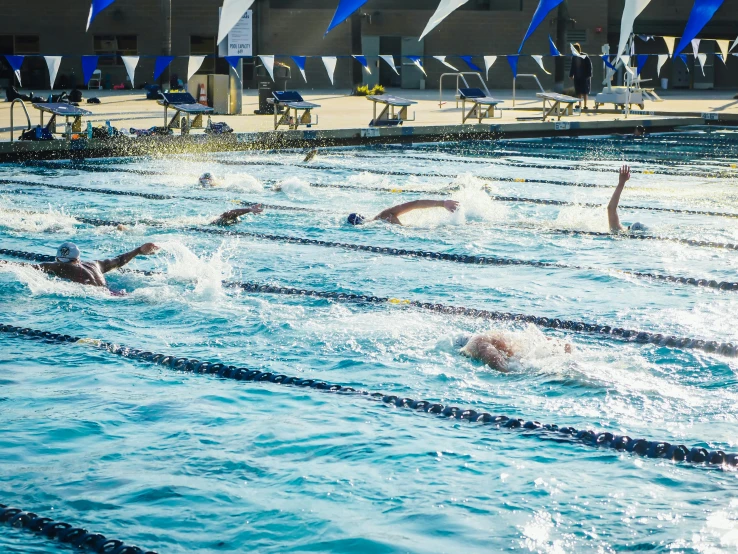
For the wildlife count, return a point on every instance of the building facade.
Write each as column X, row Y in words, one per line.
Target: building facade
column 297, row 27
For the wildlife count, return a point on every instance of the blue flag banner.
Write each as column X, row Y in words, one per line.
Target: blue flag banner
column 299, row 62
column 362, row 61
column 162, row 62
column 683, row 57
column 343, row 12
column 15, row 62
column 702, row 12
column 513, row 61
column 543, row 9
column 96, row 7
column 552, row 47
column 89, row 65
column 470, row 63
column 233, row 62
column 642, row 59
column 608, row 63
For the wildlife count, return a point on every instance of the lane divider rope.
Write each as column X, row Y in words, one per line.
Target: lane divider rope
column 640, row 447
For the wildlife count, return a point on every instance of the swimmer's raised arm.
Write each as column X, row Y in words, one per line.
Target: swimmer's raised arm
column 231, row 216
column 392, row 214
column 612, row 207
column 119, row 261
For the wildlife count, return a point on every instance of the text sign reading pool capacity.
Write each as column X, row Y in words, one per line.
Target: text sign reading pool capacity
column 240, row 37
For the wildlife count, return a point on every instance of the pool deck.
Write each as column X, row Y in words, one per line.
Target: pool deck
column 343, row 120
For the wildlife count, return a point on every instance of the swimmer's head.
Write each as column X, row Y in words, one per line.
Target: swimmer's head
column 639, row 131
column 462, row 340
column 67, row 252
column 637, row 227
column 356, row 219
column 206, row 180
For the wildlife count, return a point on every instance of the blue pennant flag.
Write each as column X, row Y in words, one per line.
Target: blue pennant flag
column 543, row 9
column 471, row 64
column 343, row 12
column 513, row 61
column 362, row 60
column 96, row 7
column 607, row 61
column 299, row 62
column 642, row 59
column 552, row 47
column 89, row 65
column 15, row 62
column 162, row 62
column 683, row 57
column 702, row 12
column 232, row 61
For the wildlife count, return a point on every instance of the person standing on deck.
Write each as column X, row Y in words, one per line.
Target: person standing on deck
column 581, row 73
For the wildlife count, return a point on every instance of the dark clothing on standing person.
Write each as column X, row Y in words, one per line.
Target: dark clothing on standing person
column 581, row 73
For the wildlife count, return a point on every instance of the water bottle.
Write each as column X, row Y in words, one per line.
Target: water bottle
column 89, row 130
column 109, row 128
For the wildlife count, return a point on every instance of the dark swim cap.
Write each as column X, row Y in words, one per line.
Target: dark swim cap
column 356, row 219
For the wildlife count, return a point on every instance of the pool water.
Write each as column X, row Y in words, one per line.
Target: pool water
column 179, row 462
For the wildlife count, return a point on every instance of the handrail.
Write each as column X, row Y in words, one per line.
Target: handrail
column 526, row 75
column 28, row 118
column 459, row 75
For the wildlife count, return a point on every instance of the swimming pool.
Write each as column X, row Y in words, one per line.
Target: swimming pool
column 179, row 462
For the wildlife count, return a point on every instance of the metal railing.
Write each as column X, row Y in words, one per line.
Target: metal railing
column 459, row 77
column 515, row 79
column 28, row 118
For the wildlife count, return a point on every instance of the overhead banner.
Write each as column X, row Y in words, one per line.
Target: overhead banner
column 343, row 12
column 131, row 62
column 193, row 64
column 442, row 59
column 89, row 65
column 330, row 65
column 230, row 14
column 268, row 62
column 552, row 47
column 633, row 9
column 161, row 64
column 241, row 36
column 53, row 63
column 662, row 61
column 16, row 62
column 489, row 61
column 95, row 8
column 701, row 13
column 444, row 9
column 300, row 63
column 513, row 61
column 471, row 64
column 542, row 11
column 539, row 60
column 390, row 61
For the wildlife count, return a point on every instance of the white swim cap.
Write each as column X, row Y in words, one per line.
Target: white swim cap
column 206, row 179
column 462, row 340
column 67, row 252
column 637, row 227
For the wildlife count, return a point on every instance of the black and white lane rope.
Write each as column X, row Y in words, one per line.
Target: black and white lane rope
column 605, row 331
column 588, row 437
column 77, row 537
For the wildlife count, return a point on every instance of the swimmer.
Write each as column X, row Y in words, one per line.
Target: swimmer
column 639, row 132
column 69, row 266
column 207, row 180
column 491, row 348
column 310, row 156
column 612, row 207
column 392, row 215
column 232, row 217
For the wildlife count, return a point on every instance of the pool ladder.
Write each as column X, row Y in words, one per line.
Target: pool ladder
column 28, row 118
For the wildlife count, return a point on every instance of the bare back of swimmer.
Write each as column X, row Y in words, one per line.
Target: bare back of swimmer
column 493, row 349
column 231, row 217
column 392, row 215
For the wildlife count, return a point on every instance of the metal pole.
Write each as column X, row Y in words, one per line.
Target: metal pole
column 166, row 38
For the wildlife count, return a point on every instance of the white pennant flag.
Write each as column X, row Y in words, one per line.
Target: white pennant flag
column 268, row 62
column 444, row 10
column 230, row 14
column 662, row 61
column 633, row 9
column 53, row 62
column 489, row 61
column 442, row 59
column 670, row 41
column 330, row 65
column 702, row 58
column 130, row 62
column 626, row 64
column 193, row 64
column 419, row 65
column 696, row 46
column 574, row 51
column 735, row 43
column 723, row 45
column 539, row 59
column 390, row 61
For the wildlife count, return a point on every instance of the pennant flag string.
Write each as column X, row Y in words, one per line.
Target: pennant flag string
column 701, row 13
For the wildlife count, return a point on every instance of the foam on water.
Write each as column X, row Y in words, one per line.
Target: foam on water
column 53, row 220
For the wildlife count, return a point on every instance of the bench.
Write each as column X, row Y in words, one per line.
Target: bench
column 65, row 110
column 556, row 102
column 388, row 117
column 182, row 102
column 292, row 100
column 483, row 106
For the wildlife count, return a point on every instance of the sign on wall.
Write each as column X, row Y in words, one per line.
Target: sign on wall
column 240, row 37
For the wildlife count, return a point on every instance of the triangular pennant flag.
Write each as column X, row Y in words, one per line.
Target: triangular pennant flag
column 702, row 59
column 89, row 65
column 722, row 59
column 735, row 43
column 670, row 41
column 95, row 8
column 626, row 63
column 442, row 59
column 642, row 59
column 444, row 9
column 390, row 61
column 53, row 62
column 230, row 14
column 513, row 61
column 701, row 14
column 193, row 64
column 161, row 64
column 233, row 62
column 631, row 11
column 683, row 57
column 343, row 12
column 300, row 63
column 418, row 63
column 489, row 61
column 363, row 62
column 662, row 61
column 552, row 47
column 542, row 11
column 723, row 45
column 16, row 62
column 330, row 65
column 607, row 61
column 539, row 60
column 574, row 52
column 131, row 62
column 696, row 46
column 268, row 62
column 471, row 64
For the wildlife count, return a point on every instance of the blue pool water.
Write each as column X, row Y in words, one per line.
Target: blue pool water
column 190, row 463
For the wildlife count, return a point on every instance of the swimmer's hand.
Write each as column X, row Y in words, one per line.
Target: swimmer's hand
column 624, row 175
column 147, row 249
column 451, row 205
column 257, row 209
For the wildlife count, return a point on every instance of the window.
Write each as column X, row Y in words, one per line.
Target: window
column 204, row 46
column 111, row 47
column 27, row 44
